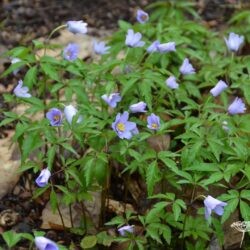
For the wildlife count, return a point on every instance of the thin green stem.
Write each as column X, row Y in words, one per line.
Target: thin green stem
column 84, row 215
column 58, row 208
column 51, row 34
column 55, row 30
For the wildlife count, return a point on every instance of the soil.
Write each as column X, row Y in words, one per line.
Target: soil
column 24, row 20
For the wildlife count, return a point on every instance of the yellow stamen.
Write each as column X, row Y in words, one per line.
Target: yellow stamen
column 120, row 126
column 56, row 118
column 154, row 125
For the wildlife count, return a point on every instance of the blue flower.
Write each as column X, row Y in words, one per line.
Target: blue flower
column 70, row 53
column 55, row 117
column 138, row 107
column 134, row 39
column 112, row 99
column 171, row 83
column 70, row 111
column 212, row 204
column 234, row 41
column 153, row 47
column 166, row 47
column 124, row 128
column 13, row 61
column 126, row 229
column 21, row 91
column 142, row 16
column 43, row 178
column 153, row 122
column 77, row 27
column 187, row 68
column 43, row 243
column 219, row 87
column 100, row 48
column 236, row 107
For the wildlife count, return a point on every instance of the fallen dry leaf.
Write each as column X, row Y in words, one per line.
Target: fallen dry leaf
column 9, row 164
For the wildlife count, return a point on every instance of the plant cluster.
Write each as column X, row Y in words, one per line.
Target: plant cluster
column 165, row 79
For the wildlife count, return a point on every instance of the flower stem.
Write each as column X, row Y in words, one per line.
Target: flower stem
column 51, row 34
column 55, row 30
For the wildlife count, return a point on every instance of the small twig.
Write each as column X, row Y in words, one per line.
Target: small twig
column 71, row 216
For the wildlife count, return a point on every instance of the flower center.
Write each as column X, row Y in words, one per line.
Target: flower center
column 144, row 17
column 120, row 126
column 154, row 125
column 56, row 118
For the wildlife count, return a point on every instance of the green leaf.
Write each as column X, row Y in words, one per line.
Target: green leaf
column 124, row 25
column 40, row 191
column 30, row 77
column 38, row 44
column 50, row 71
column 152, row 231
column 88, row 242
column 89, row 171
column 245, row 194
column 50, row 156
column 69, row 148
column 104, row 239
column 56, row 87
column 6, row 121
column 176, row 211
column 75, row 174
column 101, row 171
column 216, row 147
column 229, row 209
column 118, row 220
column 145, row 92
column 31, row 142
column 11, row 238
column 53, row 200
column 152, row 176
column 166, row 233
column 245, row 210
column 154, row 214
column 213, row 178
column 128, row 85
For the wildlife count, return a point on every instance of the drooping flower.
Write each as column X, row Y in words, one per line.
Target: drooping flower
column 153, row 47
column 134, row 39
column 100, row 48
column 43, row 243
column 236, row 107
column 234, row 41
column 212, row 204
column 138, row 107
column 77, row 27
column 112, row 99
column 186, row 67
column 21, row 91
column 70, row 111
column 219, row 87
column 43, row 178
column 142, row 16
column 153, row 122
column 54, row 115
column 123, row 127
column 13, row 61
column 166, row 47
column 126, row 229
column 171, row 83
column 71, row 51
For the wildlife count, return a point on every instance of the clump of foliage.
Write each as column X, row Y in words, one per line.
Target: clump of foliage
column 107, row 112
